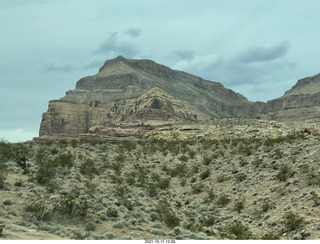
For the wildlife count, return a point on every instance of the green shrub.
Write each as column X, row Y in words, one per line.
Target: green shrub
column 71, row 205
column 46, row 171
column 197, row 188
column 207, row 160
column 183, row 158
column 240, row 177
column 112, row 212
column 90, row 226
column 20, row 154
column 239, row 205
column 38, row 210
column 285, row 173
column 179, row 170
column 266, row 205
column 1, row 230
column 166, row 214
column 208, row 220
column 192, row 154
column 223, row 200
column 116, row 167
column 5, row 149
column 128, row 145
column 64, row 160
column 205, row 174
column 272, row 141
column 120, row 158
column 270, row 236
column 292, row 221
column 315, row 198
column 240, row 231
column 88, row 169
column 3, row 174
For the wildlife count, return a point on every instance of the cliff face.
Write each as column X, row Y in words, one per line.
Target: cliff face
column 128, row 98
column 301, row 102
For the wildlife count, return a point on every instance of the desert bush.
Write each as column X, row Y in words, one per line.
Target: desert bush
column 64, row 160
column 183, row 158
column 90, row 226
column 88, row 169
column 152, row 190
column 128, row 145
column 207, row 160
column 116, row 167
column 266, row 205
column 240, row 231
column 112, row 212
column 208, row 220
column 223, row 200
column 270, row 236
column 205, row 174
column 192, row 154
column 272, row 141
column 130, row 178
column 239, row 205
column 120, row 158
column 46, row 172
column 240, row 177
column 243, row 162
column 121, row 191
column 197, row 188
column 5, row 149
column 292, row 221
column 312, row 177
column 48, row 167
column 179, row 170
column 20, row 154
column 37, row 209
column 71, row 205
column 315, row 198
column 3, row 173
column 166, row 214
column 1, row 230
column 285, row 173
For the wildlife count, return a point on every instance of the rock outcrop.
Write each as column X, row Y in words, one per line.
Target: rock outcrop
column 128, row 98
column 301, row 102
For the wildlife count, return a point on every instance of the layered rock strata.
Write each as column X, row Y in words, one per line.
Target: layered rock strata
column 128, row 98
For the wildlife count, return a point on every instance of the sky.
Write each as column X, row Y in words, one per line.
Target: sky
column 256, row 48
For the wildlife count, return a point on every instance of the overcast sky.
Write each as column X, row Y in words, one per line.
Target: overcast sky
column 259, row 48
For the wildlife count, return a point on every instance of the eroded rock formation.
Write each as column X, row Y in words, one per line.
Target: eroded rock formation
column 128, row 98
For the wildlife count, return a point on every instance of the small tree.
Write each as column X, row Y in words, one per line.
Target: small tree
column 20, row 154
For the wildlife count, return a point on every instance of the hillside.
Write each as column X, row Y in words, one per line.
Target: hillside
column 227, row 179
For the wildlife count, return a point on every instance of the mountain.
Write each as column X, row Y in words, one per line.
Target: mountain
column 301, row 102
column 129, row 97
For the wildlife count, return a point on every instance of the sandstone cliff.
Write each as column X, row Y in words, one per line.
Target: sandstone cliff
column 301, row 102
column 129, row 97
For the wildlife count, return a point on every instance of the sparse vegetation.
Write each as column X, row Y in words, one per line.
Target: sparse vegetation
column 240, row 231
column 228, row 188
column 292, row 221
